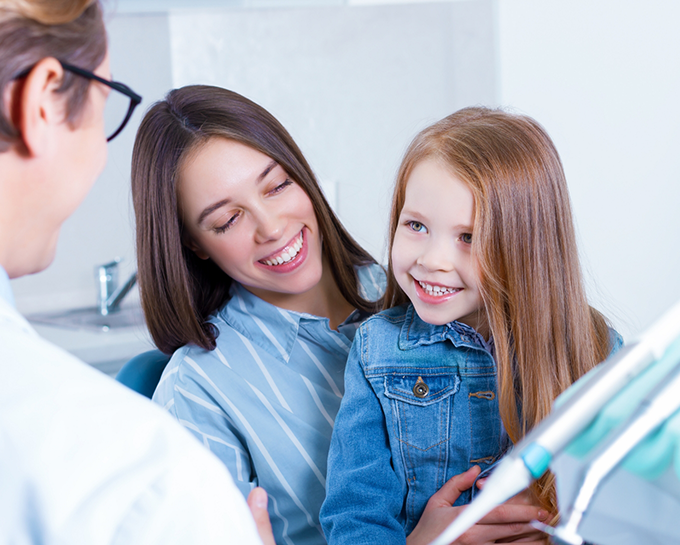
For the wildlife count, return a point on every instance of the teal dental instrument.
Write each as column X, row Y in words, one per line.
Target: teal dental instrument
column 531, row 457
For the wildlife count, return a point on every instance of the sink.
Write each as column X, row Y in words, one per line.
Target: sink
column 90, row 319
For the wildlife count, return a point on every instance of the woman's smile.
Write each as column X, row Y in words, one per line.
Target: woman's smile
column 288, row 258
column 243, row 211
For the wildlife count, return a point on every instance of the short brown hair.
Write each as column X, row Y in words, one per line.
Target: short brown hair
column 31, row 30
column 545, row 334
column 178, row 290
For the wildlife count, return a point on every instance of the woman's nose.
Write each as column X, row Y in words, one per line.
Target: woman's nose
column 269, row 226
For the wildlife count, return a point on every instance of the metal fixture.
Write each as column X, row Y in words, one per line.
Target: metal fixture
column 110, row 295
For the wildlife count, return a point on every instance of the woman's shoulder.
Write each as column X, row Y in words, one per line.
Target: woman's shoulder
column 191, row 364
column 372, row 281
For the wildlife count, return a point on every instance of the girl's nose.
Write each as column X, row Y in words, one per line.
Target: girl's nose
column 436, row 257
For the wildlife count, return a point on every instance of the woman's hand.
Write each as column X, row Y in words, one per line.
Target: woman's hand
column 257, row 501
column 507, row 523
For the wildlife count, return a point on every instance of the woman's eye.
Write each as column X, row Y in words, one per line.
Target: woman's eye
column 466, row 238
column 417, row 227
column 222, row 228
column 281, row 187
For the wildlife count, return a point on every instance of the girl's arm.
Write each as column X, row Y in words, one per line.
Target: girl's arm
column 364, row 497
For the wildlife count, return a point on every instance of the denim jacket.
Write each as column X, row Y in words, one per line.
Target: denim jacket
column 420, row 406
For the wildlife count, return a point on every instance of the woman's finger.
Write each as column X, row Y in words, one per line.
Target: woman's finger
column 502, row 533
column 511, row 513
column 257, row 501
column 452, row 489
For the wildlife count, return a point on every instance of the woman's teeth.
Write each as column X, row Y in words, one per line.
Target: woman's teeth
column 437, row 291
column 288, row 253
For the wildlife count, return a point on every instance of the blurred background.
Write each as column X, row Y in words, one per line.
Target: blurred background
column 353, row 81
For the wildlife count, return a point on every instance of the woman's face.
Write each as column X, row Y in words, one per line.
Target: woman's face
column 242, row 210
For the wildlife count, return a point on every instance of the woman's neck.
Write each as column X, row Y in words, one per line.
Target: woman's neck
column 324, row 299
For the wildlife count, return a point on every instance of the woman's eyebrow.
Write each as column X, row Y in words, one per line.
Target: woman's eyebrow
column 267, row 170
column 210, row 209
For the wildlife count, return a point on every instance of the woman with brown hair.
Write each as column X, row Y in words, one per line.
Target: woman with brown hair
column 487, row 322
column 248, row 277
column 82, row 458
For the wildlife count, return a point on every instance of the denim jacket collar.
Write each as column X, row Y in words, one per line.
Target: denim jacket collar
column 415, row 332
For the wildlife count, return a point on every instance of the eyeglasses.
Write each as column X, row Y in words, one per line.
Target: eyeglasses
column 119, row 105
column 115, row 104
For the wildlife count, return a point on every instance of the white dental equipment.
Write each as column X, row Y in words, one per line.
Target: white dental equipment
column 652, row 412
column 531, row 457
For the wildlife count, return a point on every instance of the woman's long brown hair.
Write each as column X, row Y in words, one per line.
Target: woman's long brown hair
column 178, row 290
column 545, row 334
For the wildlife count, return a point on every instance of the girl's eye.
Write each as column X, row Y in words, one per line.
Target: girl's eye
column 281, row 187
column 466, row 238
column 417, row 226
column 222, row 228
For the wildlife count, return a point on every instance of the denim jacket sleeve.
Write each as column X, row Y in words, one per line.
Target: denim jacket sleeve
column 364, row 495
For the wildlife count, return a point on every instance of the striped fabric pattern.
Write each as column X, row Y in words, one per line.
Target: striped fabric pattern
column 265, row 400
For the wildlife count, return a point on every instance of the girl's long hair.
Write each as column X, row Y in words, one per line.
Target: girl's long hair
column 545, row 334
column 178, row 290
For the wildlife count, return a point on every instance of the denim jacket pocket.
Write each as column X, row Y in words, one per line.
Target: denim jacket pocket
column 422, row 405
column 422, row 408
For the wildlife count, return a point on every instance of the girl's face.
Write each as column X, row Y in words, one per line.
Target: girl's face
column 241, row 209
column 431, row 254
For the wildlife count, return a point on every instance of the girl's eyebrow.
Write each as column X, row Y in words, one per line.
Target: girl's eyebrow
column 210, row 209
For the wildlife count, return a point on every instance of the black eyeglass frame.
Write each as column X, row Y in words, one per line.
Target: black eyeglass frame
column 135, row 99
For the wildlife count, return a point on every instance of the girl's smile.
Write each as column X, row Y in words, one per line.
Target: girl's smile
column 434, row 293
column 432, row 251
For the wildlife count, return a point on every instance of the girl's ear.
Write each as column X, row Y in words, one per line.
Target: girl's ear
column 36, row 108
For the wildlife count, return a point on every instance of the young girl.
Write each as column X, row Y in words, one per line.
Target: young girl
column 486, row 323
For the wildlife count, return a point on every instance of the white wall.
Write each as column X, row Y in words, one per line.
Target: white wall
column 353, row 85
column 603, row 77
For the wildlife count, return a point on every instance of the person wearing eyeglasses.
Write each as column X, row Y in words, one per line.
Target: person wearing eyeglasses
column 83, row 460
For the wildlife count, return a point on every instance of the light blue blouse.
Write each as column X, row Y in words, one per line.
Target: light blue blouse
column 264, row 401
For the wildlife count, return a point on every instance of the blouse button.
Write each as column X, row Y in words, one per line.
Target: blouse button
column 421, row 389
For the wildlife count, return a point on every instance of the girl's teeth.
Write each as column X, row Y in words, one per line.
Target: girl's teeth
column 436, row 290
column 287, row 255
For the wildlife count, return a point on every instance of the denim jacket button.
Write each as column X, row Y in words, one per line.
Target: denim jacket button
column 421, row 389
